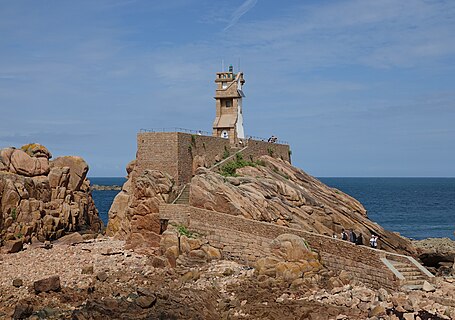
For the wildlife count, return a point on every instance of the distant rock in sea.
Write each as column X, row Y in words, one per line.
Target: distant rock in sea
column 105, row 188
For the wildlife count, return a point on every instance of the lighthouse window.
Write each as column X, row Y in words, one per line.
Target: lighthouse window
column 224, row 85
column 228, row 103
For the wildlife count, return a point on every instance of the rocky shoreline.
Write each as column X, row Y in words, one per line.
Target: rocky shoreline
column 56, row 263
column 99, row 278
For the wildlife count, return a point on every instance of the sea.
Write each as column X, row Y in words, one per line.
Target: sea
column 417, row 208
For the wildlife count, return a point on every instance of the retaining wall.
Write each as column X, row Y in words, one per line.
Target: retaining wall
column 176, row 153
column 247, row 240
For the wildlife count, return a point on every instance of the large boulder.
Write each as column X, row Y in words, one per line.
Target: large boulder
column 78, row 169
column 47, row 284
column 276, row 192
column 291, row 247
column 133, row 215
column 23, row 164
column 438, row 253
column 291, row 259
column 36, row 150
column 5, row 157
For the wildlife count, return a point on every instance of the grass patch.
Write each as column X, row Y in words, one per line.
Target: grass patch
column 183, row 231
column 230, row 168
column 226, row 153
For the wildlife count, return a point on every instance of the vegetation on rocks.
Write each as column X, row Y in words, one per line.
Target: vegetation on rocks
column 183, row 231
column 230, row 168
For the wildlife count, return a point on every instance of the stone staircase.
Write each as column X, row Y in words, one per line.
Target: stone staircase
column 412, row 277
column 184, row 196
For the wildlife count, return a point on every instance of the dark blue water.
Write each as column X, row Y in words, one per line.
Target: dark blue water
column 417, row 208
column 103, row 199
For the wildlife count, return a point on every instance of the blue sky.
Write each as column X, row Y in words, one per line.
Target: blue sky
column 357, row 87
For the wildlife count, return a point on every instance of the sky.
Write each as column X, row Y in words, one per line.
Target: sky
column 358, row 88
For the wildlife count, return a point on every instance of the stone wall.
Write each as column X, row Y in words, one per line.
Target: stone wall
column 157, row 151
column 261, row 148
column 179, row 153
column 247, row 240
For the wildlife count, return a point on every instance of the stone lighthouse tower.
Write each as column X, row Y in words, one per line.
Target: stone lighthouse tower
column 228, row 122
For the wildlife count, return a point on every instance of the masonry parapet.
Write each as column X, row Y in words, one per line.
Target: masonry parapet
column 180, row 153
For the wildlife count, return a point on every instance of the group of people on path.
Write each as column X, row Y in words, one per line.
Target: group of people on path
column 357, row 238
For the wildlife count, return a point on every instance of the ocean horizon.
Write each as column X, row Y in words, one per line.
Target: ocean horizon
column 415, row 207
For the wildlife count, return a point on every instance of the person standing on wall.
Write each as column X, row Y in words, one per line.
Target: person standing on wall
column 359, row 240
column 344, row 235
column 374, row 241
column 352, row 236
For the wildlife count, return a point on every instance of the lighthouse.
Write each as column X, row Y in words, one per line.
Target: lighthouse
column 228, row 122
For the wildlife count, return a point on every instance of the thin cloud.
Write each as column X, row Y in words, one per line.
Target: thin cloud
column 244, row 8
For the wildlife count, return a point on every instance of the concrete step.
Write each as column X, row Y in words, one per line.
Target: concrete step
column 410, row 273
column 412, row 287
column 184, row 197
column 414, row 282
column 406, row 268
column 415, row 279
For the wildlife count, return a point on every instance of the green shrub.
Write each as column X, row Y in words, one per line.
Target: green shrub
column 13, row 214
column 226, row 153
column 230, row 168
column 183, row 231
column 270, row 151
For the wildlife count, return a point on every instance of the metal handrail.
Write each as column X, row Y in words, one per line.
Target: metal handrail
column 205, row 133
column 180, row 194
column 176, row 129
column 265, row 140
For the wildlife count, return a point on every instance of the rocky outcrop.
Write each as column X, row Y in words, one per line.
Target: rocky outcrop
column 43, row 199
column 274, row 191
column 186, row 249
column 32, row 162
column 291, row 259
column 134, row 214
column 438, row 254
